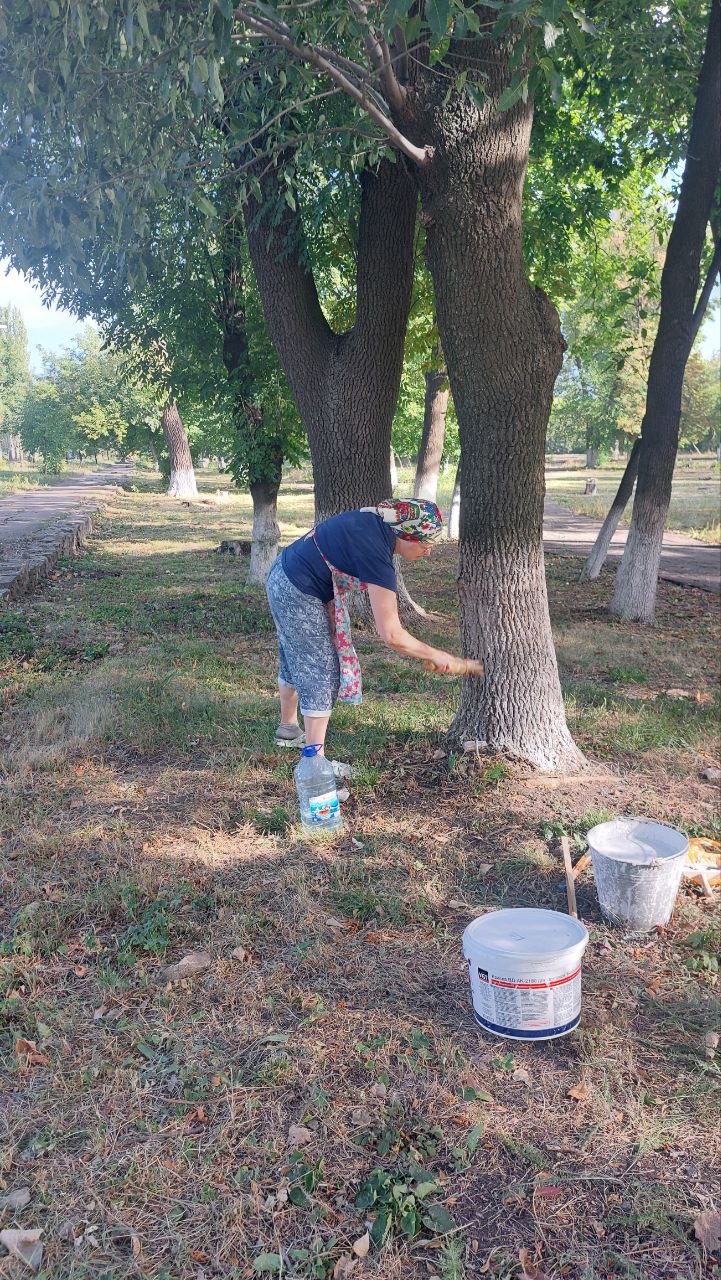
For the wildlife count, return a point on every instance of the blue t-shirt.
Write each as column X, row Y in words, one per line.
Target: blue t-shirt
column 356, row 542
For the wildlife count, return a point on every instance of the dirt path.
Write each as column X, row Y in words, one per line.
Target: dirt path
column 683, row 560
column 40, row 525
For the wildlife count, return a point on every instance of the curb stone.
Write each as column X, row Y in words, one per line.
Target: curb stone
column 24, row 568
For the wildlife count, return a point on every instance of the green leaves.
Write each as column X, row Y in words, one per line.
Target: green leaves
column 397, row 1199
column 437, row 14
column 267, row 1264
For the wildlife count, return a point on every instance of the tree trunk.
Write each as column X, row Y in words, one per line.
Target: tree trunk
column 16, row 452
column 346, row 385
column 454, row 515
column 393, row 471
column 599, row 550
column 182, row 475
column 591, row 458
column 616, row 455
column 259, row 450
column 266, row 531
column 634, row 596
column 503, row 347
column 434, row 431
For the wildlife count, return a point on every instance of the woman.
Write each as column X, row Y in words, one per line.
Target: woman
column 306, row 589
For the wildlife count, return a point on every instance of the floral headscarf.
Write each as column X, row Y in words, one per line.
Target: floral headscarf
column 413, row 519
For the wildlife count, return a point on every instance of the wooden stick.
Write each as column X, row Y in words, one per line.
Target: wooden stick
column 570, row 882
column 460, row 667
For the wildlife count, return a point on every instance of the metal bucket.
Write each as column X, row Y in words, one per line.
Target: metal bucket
column 637, row 865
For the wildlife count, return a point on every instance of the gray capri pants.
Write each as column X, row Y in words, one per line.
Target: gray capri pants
column 307, row 656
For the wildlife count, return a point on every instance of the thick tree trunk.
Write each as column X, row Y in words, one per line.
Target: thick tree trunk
column 434, row 431
column 259, row 450
column 266, row 531
column 503, row 347
column 182, row 475
column 599, row 550
column 346, row 385
column 454, row 515
column 591, row 458
column 634, row 596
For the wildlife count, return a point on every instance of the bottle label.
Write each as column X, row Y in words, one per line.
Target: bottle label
column 324, row 808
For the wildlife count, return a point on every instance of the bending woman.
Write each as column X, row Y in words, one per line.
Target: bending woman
column 306, row 589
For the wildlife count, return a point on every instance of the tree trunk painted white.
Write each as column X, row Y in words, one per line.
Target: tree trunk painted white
column 634, row 596
column 394, row 472
column 182, row 474
column 454, row 515
column 16, row 452
column 599, row 550
column 592, row 458
column 266, row 531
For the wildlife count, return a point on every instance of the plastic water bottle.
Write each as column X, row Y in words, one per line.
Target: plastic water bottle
column 317, row 792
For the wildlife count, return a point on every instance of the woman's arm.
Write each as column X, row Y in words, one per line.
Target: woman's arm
column 384, row 604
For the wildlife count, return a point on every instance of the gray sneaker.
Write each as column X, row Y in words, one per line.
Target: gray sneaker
column 289, row 735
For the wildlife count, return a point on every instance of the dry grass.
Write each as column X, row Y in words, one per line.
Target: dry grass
column 146, row 813
column 695, row 498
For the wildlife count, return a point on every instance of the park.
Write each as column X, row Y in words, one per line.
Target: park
column 439, row 266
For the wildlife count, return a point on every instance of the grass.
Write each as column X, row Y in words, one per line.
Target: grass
column 695, row 496
column 238, row 1120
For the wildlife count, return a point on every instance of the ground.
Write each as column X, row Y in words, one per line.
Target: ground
column 695, row 498
column 229, row 1124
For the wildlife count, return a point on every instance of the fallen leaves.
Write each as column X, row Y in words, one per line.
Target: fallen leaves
column 15, row 1199
column 580, row 1092
column 530, row 1268
column 521, row 1076
column 707, row 1229
column 711, row 1041
column 23, row 1245
column 29, row 1054
column 299, row 1136
column 343, row 1267
column 362, row 1245
column 241, row 954
column 190, row 966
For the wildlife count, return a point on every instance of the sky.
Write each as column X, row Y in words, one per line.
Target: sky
column 54, row 329
column 48, row 327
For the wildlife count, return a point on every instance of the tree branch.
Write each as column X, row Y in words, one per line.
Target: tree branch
column 380, row 56
column 306, row 53
column 706, row 289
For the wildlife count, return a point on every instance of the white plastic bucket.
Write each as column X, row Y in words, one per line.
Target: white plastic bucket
column 525, row 969
column 637, row 866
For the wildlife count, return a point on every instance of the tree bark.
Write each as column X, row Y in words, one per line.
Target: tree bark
column 454, row 515
column 393, row 467
column 634, row 597
column 591, row 458
column 599, row 550
column 434, row 431
column 346, row 385
column 260, row 452
column 182, row 475
column 503, row 347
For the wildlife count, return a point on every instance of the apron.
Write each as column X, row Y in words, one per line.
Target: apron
column 351, row 685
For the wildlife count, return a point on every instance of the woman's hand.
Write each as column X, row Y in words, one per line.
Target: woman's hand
column 441, row 661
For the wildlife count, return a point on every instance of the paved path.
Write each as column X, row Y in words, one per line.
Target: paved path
column 38, row 526
column 683, row 559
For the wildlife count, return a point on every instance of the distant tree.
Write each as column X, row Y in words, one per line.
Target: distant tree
column 14, row 379
column 46, row 424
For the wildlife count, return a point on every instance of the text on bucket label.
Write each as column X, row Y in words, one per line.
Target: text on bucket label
column 526, row 1004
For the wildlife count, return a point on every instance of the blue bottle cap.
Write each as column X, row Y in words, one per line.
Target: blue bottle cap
column 312, row 749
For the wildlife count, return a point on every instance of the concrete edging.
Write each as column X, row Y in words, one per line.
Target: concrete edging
column 20, row 574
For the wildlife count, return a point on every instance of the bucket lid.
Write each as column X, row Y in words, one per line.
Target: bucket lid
column 637, row 840
column 525, row 932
